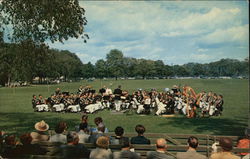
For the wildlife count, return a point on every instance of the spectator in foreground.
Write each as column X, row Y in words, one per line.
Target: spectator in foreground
column 102, row 151
column 227, row 145
column 97, row 121
column 160, row 153
column 83, row 133
column 140, row 139
column 9, row 147
column 94, row 136
column 126, row 151
column 245, row 142
column 116, row 140
column 59, row 137
column 191, row 152
column 27, row 148
column 72, row 149
column 41, row 127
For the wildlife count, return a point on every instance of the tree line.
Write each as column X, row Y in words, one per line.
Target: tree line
column 26, row 60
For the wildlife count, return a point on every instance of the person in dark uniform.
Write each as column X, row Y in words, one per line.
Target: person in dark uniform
column 34, row 102
column 102, row 90
column 118, row 93
column 58, row 91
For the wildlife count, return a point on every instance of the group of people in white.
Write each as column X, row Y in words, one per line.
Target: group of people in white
column 170, row 101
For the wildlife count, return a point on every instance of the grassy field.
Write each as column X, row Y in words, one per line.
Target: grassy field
column 17, row 116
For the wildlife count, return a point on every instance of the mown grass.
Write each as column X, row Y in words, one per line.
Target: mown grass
column 17, row 116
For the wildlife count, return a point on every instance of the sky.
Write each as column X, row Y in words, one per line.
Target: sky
column 176, row 32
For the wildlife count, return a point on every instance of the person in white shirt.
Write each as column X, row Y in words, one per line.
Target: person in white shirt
column 83, row 133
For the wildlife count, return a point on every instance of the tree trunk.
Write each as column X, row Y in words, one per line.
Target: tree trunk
column 9, row 79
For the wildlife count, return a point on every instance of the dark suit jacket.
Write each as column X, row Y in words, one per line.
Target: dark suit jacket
column 139, row 140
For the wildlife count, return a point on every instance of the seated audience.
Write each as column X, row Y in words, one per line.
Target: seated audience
column 72, row 149
column 97, row 121
column 160, row 153
column 126, row 151
column 116, row 140
column 9, row 147
column 191, row 152
column 27, row 148
column 83, row 133
column 40, row 135
column 59, row 137
column 140, row 139
column 245, row 142
column 102, row 151
column 94, row 136
column 227, row 145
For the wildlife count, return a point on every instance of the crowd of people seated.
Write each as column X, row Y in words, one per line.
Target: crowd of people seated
column 73, row 143
column 184, row 101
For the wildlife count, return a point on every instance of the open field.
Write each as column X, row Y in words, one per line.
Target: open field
column 17, row 116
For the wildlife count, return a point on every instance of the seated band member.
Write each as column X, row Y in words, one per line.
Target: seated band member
column 34, row 102
column 42, row 106
column 118, row 93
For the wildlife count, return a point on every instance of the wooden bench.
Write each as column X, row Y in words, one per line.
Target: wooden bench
column 176, row 143
column 53, row 149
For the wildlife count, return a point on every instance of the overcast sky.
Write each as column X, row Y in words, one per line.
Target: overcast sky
column 176, row 32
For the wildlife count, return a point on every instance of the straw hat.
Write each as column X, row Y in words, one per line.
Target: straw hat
column 41, row 126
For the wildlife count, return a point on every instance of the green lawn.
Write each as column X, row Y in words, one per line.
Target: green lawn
column 17, row 116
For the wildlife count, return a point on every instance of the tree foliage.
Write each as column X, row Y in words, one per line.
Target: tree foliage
column 40, row 20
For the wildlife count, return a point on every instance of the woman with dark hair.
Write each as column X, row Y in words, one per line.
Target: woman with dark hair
column 59, row 136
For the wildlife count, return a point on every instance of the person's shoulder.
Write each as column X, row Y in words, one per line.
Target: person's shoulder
column 180, row 154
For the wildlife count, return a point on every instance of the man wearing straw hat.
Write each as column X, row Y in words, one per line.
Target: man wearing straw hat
column 40, row 135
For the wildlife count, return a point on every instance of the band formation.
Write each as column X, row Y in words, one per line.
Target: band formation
column 170, row 101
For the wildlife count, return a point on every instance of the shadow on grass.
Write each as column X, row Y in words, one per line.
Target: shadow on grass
column 24, row 122
column 214, row 126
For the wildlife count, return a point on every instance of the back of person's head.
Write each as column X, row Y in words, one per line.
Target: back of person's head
column 247, row 132
column 98, row 120
column 226, row 143
column 125, row 143
column 119, row 131
column 60, row 127
column 72, row 137
column 102, row 142
column 140, row 129
column 10, row 140
column 193, row 142
column 161, row 143
column 101, row 127
column 83, row 126
column 26, row 139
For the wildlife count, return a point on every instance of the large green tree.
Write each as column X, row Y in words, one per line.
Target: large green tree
column 115, row 63
column 40, row 20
